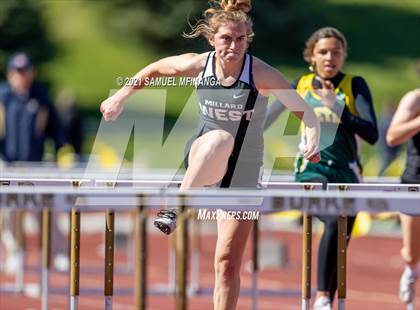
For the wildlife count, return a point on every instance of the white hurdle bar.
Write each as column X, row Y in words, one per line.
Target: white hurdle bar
column 267, row 200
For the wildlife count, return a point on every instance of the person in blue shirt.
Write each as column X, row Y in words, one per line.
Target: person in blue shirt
column 27, row 116
column 27, row 119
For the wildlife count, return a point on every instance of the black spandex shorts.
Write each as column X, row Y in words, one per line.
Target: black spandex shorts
column 245, row 173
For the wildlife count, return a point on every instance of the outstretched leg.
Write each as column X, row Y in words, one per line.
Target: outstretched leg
column 208, row 159
column 411, row 255
column 231, row 240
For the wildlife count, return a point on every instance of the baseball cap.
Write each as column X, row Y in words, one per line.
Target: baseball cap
column 19, row 61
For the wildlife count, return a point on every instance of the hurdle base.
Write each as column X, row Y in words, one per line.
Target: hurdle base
column 73, row 302
column 341, row 303
column 44, row 289
column 305, row 304
column 108, row 302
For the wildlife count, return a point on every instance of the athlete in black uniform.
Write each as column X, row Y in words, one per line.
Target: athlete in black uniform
column 229, row 137
column 223, row 107
column 405, row 126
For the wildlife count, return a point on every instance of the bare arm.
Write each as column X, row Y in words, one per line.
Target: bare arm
column 406, row 121
column 270, row 81
column 183, row 65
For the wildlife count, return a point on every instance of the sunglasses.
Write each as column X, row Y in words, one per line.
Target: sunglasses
column 22, row 70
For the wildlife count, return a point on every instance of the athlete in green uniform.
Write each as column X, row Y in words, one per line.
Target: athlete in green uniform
column 343, row 104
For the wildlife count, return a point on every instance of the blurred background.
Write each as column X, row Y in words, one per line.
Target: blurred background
column 79, row 48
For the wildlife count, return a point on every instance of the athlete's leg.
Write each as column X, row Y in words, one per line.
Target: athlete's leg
column 411, row 247
column 327, row 255
column 231, row 240
column 411, row 255
column 208, row 159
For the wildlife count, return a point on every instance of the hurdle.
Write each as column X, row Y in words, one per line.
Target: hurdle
column 342, row 230
column 255, row 265
column 109, row 258
column 74, row 259
column 273, row 201
column 306, row 260
column 46, row 256
column 181, row 253
column 140, row 284
column 194, row 287
column 306, row 287
column 127, row 173
column 20, row 255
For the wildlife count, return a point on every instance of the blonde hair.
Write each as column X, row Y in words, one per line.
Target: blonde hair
column 323, row 33
column 222, row 11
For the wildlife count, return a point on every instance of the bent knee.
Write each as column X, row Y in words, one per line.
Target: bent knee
column 216, row 143
column 221, row 140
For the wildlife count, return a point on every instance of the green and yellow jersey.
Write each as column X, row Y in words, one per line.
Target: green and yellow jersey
column 351, row 116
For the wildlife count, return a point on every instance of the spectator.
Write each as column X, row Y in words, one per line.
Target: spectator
column 27, row 119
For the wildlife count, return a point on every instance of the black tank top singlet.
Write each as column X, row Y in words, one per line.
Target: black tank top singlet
column 238, row 109
column 412, row 167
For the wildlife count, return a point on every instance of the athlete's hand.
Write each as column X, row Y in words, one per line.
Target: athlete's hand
column 326, row 93
column 111, row 108
column 311, row 153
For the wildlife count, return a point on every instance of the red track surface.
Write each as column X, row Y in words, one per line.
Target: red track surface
column 374, row 269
